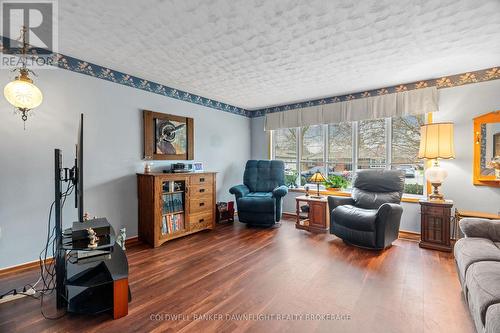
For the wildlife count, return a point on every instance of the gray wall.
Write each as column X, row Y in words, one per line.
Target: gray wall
column 113, row 152
column 460, row 105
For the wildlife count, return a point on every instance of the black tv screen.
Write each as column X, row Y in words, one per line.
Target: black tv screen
column 79, row 171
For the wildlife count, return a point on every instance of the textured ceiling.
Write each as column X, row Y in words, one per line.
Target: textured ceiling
column 259, row 53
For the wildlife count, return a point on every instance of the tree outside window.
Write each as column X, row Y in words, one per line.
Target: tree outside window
column 404, row 151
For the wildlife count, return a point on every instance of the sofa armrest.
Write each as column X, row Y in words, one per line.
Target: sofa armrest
column 483, row 228
column 280, row 191
column 334, row 202
column 239, row 191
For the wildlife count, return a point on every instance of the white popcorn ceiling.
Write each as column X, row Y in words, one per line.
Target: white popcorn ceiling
column 259, row 53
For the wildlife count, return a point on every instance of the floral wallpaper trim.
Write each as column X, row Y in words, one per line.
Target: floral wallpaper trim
column 443, row 82
column 83, row 67
column 100, row 72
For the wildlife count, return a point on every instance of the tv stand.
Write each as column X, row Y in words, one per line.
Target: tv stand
column 96, row 284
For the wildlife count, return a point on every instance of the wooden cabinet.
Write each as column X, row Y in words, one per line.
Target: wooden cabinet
column 174, row 205
column 435, row 225
column 318, row 216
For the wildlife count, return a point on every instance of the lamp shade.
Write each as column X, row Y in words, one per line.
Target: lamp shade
column 436, row 141
column 23, row 94
column 317, row 178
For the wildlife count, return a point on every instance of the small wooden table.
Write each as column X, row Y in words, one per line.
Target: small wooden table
column 435, row 225
column 318, row 219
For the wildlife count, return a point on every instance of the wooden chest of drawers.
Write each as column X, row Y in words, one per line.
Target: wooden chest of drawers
column 175, row 205
column 435, row 225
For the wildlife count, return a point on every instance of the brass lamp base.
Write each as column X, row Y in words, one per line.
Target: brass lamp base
column 436, row 195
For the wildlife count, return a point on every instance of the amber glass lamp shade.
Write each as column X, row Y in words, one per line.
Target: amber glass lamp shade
column 317, row 178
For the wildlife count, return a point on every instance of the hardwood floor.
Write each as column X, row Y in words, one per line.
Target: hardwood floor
column 279, row 271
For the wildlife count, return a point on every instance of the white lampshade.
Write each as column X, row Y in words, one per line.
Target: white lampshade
column 436, row 141
column 23, row 94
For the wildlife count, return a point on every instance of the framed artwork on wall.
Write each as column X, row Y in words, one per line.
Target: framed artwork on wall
column 168, row 137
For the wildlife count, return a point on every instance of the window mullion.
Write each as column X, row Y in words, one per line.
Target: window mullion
column 325, row 150
column 354, row 146
column 298, row 134
column 388, row 143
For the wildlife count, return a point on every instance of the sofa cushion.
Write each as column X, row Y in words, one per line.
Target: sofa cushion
column 483, row 289
column 355, row 217
column 470, row 250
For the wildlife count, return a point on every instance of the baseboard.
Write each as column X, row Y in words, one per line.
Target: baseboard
column 289, row 215
column 409, row 235
column 22, row 267
column 132, row 241
column 129, row 242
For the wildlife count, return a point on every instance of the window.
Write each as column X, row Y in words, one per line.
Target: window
column 371, row 144
column 404, row 151
column 390, row 143
column 285, row 148
column 312, row 152
column 339, row 148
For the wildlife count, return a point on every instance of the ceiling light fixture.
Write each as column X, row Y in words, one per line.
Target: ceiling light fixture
column 21, row 92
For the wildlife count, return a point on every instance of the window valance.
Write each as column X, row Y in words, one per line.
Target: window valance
column 412, row 102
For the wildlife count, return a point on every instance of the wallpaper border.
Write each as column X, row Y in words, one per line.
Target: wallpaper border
column 83, row 67
column 449, row 81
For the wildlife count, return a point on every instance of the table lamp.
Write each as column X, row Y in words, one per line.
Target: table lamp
column 436, row 142
column 317, row 178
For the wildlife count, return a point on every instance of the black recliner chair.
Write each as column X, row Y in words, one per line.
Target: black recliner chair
column 370, row 218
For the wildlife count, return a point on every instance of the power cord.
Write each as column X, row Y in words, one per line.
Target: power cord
column 47, row 267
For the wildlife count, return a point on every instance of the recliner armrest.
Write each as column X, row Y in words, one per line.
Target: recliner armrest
column 280, row 191
column 239, row 191
column 386, row 210
column 334, row 202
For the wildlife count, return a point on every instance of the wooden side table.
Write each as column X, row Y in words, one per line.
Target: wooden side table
column 318, row 219
column 435, row 225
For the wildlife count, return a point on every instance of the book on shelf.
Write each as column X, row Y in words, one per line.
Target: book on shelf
column 164, row 229
column 174, row 222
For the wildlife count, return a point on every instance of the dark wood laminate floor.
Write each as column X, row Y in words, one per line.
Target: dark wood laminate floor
column 236, row 270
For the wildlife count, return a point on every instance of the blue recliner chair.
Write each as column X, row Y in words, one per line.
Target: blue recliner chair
column 259, row 199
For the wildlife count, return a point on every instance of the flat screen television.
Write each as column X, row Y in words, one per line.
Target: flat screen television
column 78, row 181
column 64, row 175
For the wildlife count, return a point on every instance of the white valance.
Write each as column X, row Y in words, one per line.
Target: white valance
column 412, row 102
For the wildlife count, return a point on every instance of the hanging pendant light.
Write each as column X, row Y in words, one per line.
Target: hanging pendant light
column 21, row 92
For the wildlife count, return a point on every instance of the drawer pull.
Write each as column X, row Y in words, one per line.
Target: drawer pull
column 202, row 179
column 201, row 220
column 202, row 190
column 202, row 204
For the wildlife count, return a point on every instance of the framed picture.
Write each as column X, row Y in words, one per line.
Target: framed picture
column 168, row 137
column 198, row 167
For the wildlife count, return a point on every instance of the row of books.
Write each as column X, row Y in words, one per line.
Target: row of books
column 172, row 202
column 173, row 186
column 172, row 223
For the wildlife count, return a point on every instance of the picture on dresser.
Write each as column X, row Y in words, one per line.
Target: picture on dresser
column 168, row 137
